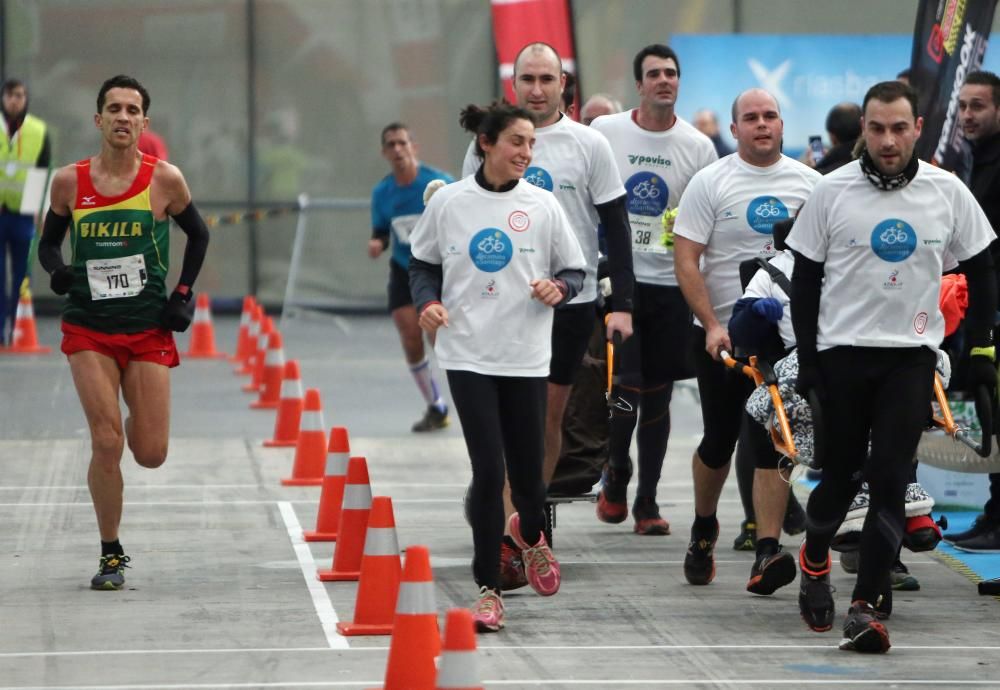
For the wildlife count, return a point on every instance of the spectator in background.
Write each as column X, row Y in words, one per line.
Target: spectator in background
column 597, row 105
column 904, row 76
column 707, row 123
column 153, row 144
column 25, row 145
column 569, row 94
column 843, row 126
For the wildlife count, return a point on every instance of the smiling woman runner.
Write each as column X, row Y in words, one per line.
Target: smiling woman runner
column 491, row 255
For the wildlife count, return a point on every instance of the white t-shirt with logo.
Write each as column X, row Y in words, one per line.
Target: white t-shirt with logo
column 575, row 163
column 762, row 286
column 490, row 245
column 731, row 208
column 883, row 253
column 655, row 168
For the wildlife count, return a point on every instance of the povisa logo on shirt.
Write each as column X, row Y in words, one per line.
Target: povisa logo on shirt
column 763, row 212
column 640, row 159
column 490, row 250
column 647, row 194
column 893, row 240
column 539, row 177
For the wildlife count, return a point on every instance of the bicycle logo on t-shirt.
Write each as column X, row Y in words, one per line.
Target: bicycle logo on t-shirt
column 763, row 212
column 647, row 194
column 893, row 240
column 539, row 177
column 490, row 250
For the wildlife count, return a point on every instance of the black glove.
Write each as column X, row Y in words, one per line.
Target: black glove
column 61, row 280
column 982, row 372
column 179, row 311
column 808, row 379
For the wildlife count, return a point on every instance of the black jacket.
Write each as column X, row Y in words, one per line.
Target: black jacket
column 836, row 157
column 985, row 184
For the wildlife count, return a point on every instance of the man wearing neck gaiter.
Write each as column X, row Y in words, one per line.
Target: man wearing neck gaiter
column 25, row 145
column 869, row 248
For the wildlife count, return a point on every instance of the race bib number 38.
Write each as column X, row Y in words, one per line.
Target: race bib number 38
column 647, row 241
column 116, row 278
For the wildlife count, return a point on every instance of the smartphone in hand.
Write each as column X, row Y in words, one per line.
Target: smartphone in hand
column 816, row 147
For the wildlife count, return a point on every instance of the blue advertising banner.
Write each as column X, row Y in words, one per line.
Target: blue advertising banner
column 807, row 73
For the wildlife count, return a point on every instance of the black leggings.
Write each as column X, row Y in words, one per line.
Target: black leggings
column 881, row 395
column 503, row 421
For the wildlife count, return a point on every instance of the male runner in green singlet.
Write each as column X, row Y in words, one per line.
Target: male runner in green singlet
column 118, row 318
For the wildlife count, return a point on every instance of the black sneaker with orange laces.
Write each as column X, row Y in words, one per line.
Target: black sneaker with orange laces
column 815, row 594
column 771, row 571
column 647, row 517
column 863, row 632
column 699, row 562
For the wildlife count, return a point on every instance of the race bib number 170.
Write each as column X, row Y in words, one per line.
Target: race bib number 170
column 116, row 278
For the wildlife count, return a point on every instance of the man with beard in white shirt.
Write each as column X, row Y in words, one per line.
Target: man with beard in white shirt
column 869, row 251
column 727, row 215
column 657, row 154
column 576, row 164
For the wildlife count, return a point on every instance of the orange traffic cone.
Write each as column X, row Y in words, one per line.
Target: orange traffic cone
column 202, row 345
column 353, row 523
column 24, row 340
column 274, row 369
column 415, row 636
column 245, row 367
column 332, row 496
column 257, row 374
column 243, row 343
column 286, row 424
column 459, row 667
column 310, row 451
column 380, row 569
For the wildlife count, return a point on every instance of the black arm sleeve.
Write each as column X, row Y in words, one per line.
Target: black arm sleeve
column 193, row 225
column 572, row 278
column 45, row 155
column 618, row 235
column 382, row 236
column 979, row 317
column 425, row 283
column 807, row 280
column 50, row 243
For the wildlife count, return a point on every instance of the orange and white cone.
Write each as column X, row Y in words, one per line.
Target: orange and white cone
column 274, row 370
column 257, row 375
column 24, row 340
column 202, row 345
column 310, row 451
column 380, row 571
column 245, row 367
column 331, row 498
column 286, row 424
column 416, row 639
column 353, row 524
column 243, row 343
column 458, row 668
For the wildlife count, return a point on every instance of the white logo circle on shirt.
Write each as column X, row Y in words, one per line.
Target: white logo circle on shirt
column 893, row 240
column 920, row 323
column 763, row 212
column 490, row 250
column 518, row 221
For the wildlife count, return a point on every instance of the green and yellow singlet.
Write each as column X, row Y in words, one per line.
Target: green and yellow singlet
column 120, row 256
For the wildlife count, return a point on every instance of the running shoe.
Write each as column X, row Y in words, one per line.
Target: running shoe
column 815, row 594
column 849, row 561
column 540, row 567
column 900, row 578
column 771, row 571
column 699, row 562
column 982, row 525
column 432, row 420
column 795, row 517
column 647, row 517
column 862, row 631
column 112, row 572
column 612, row 499
column 747, row 538
column 987, row 541
column 511, row 568
column 487, row 612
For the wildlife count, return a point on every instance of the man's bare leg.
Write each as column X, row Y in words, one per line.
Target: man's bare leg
column 770, row 498
column 146, row 389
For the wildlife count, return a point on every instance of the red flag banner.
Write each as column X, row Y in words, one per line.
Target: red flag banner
column 517, row 23
column 949, row 41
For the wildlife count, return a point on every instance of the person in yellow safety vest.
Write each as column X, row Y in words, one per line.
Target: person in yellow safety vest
column 25, row 145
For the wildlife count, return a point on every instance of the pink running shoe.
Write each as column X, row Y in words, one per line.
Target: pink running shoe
column 487, row 612
column 540, row 566
column 511, row 569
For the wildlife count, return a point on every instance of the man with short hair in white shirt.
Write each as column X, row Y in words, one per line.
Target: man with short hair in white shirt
column 727, row 215
column 575, row 163
column 657, row 154
column 869, row 250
